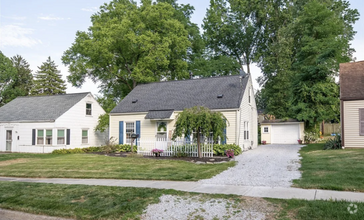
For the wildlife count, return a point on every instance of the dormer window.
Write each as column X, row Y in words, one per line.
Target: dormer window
column 88, row 109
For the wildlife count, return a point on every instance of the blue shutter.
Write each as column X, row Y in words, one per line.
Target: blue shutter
column 137, row 130
column 33, row 137
column 223, row 141
column 121, row 132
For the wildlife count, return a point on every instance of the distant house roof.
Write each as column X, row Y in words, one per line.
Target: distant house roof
column 352, row 81
column 278, row 121
column 38, row 108
column 214, row 93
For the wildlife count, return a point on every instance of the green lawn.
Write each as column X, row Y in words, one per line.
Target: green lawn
column 104, row 202
column 331, row 169
column 100, row 166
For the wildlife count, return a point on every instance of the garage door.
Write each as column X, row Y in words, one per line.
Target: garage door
column 285, row 134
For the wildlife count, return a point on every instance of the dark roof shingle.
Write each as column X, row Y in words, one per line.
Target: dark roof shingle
column 178, row 95
column 38, row 108
column 352, row 81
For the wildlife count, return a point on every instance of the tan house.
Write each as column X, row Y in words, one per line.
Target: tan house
column 280, row 131
column 352, row 104
column 150, row 109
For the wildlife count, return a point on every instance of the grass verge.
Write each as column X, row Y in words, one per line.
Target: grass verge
column 318, row 209
column 104, row 202
column 331, row 169
column 99, row 166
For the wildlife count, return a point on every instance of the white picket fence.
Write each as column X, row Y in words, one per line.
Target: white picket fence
column 172, row 148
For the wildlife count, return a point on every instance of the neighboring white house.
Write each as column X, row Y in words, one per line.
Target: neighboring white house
column 41, row 124
column 150, row 109
column 280, row 131
column 352, row 104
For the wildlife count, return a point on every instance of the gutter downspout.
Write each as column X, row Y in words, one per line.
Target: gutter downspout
column 342, row 123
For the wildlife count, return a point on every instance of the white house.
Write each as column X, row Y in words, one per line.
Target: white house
column 41, row 124
column 150, row 109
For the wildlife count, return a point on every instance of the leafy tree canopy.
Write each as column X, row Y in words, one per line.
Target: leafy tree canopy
column 48, row 80
column 8, row 78
column 201, row 120
column 129, row 44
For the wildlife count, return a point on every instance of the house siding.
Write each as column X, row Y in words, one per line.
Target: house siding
column 352, row 139
column 248, row 113
column 75, row 119
column 149, row 129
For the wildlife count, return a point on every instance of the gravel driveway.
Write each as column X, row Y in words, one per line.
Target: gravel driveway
column 267, row 165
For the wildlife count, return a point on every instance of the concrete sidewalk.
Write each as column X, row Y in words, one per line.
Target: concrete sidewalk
column 251, row 191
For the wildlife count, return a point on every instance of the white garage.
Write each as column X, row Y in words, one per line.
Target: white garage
column 282, row 131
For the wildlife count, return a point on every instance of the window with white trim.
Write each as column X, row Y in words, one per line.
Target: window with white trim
column 49, row 137
column 88, row 109
column 265, row 129
column 246, row 130
column 129, row 130
column 84, row 136
column 40, row 136
column 161, row 130
column 60, row 136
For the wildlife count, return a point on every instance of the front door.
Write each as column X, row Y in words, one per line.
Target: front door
column 9, row 139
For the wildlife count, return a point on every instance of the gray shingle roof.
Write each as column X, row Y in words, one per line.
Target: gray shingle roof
column 38, row 108
column 161, row 114
column 178, row 95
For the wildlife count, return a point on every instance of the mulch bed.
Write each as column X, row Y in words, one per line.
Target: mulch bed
column 190, row 159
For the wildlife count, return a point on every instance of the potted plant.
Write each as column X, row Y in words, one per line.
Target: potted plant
column 157, row 152
column 299, row 141
column 229, row 153
column 264, row 142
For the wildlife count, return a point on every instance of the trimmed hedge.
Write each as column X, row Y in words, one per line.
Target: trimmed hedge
column 219, row 149
column 105, row 149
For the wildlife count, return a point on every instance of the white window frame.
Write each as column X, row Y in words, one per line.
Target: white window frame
column 156, row 128
column 265, row 127
column 87, row 140
column 64, row 136
column 88, row 103
column 206, row 140
column 37, row 137
column 125, row 133
column 46, row 143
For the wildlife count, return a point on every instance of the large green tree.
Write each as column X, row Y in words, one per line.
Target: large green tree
column 202, row 121
column 325, row 31
column 230, row 31
column 48, row 80
column 129, row 44
column 8, row 77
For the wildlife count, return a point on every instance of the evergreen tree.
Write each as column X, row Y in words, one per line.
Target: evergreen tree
column 24, row 80
column 48, row 80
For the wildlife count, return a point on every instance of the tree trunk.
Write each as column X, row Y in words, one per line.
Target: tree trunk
column 198, row 144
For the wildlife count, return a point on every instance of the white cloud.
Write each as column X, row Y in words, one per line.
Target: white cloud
column 92, row 9
column 51, row 18
column 11, row 35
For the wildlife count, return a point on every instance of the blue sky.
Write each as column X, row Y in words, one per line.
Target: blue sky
column 37, row 29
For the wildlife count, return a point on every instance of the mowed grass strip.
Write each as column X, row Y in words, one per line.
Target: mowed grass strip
column 105, row 202
column 100, row 166
column 331, row 169
column 80, row 202
column 318, row 209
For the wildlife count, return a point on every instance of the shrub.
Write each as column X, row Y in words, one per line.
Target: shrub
column 334, row 143
column 69, row 151
column 92, row 149
column 311, row 136
column 219, row 149
column 125, row 148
